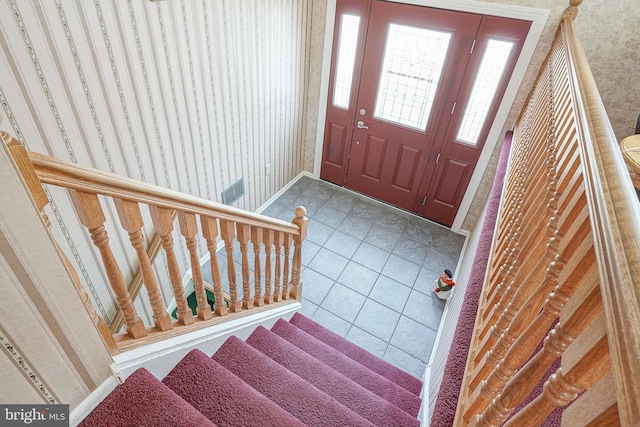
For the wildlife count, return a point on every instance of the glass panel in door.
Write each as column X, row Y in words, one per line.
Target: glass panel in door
column 411, row 71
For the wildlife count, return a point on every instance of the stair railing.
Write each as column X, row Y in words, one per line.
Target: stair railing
column 153, row 249
column 196, row 217
column 563, row 282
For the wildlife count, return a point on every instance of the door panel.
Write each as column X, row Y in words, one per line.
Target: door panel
column 453, row 173
column 375, row 150
column 411, row 58
column 467, row 130
column 337, row 145
column 343, row 88
column 406, row 168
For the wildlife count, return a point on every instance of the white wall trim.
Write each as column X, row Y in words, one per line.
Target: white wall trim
column 424, row 415
column 89, row 404
column 324, row 84
column 538, row 18
column 160, row 357
column 276, row 196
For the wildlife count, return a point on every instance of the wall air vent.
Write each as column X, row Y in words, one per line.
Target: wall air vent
column 233, row 192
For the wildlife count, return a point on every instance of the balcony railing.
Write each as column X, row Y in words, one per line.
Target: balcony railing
column 563, row 282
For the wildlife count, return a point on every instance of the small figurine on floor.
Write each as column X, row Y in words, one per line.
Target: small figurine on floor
column 444, row 284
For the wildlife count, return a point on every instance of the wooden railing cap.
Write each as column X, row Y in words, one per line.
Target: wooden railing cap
column 51, row 170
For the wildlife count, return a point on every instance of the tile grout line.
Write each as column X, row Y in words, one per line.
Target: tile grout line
column 411, row 288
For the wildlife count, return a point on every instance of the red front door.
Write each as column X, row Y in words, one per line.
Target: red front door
column 396, row 72
column 496, row 51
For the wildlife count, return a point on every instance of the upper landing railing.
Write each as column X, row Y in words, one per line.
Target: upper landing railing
column 276, row 246
column 562, row 289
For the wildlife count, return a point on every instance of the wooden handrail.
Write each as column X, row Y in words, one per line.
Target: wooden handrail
column 51, row 170
column 196, row 217
column 563, row 280
column 615, row 219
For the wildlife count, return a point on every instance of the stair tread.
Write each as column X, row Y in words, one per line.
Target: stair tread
column 302, row 400
column 360, row 355
column 382, row 386
column 144, row 400
column 223, row 397
column 352, row 395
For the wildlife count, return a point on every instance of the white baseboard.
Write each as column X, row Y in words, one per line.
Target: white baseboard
column 275, row 197
column 423, row 415
column 188, row 275
column 88, row 404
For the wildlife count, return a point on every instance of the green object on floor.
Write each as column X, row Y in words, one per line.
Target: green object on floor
column 192, row 301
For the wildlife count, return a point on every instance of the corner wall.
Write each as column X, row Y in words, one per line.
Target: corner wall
column 49, row 350
column 189, row 95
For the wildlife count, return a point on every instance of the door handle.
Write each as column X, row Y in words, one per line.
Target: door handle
column 361, row 125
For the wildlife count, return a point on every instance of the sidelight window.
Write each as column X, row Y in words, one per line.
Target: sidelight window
column 485, row 86
column 347, row 46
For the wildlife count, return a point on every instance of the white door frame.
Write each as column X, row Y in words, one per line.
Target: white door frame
column 538, row 18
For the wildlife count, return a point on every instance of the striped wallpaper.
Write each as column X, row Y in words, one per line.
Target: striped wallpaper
column 190, row 95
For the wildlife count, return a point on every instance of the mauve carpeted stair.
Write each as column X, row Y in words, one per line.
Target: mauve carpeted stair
column 298, row 373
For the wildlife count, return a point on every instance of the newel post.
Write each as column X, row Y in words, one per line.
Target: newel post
column 572, row 11
column 301, row 221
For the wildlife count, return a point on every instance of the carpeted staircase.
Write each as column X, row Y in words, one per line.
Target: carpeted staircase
column 298, row 373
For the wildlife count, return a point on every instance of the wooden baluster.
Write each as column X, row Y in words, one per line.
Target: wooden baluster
column 576, row 224
column 137, row 282
column 286, row 276
column 189, row 229
column 243, row 239
column 91, row 216
column 278, row 242
column 529, row 262
column 540, row 271
column 256, row 241
column 556, row 342
column 529, row 324
column 210, row 232
column 21, row 158
column 585, row 362
column 131, row 220
column 510, row 324
column 268, row 289
column 163, row 225
column 529, row 192
column 534, row 262
column 301, row 221
column 532, row 193
column 228, row 233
